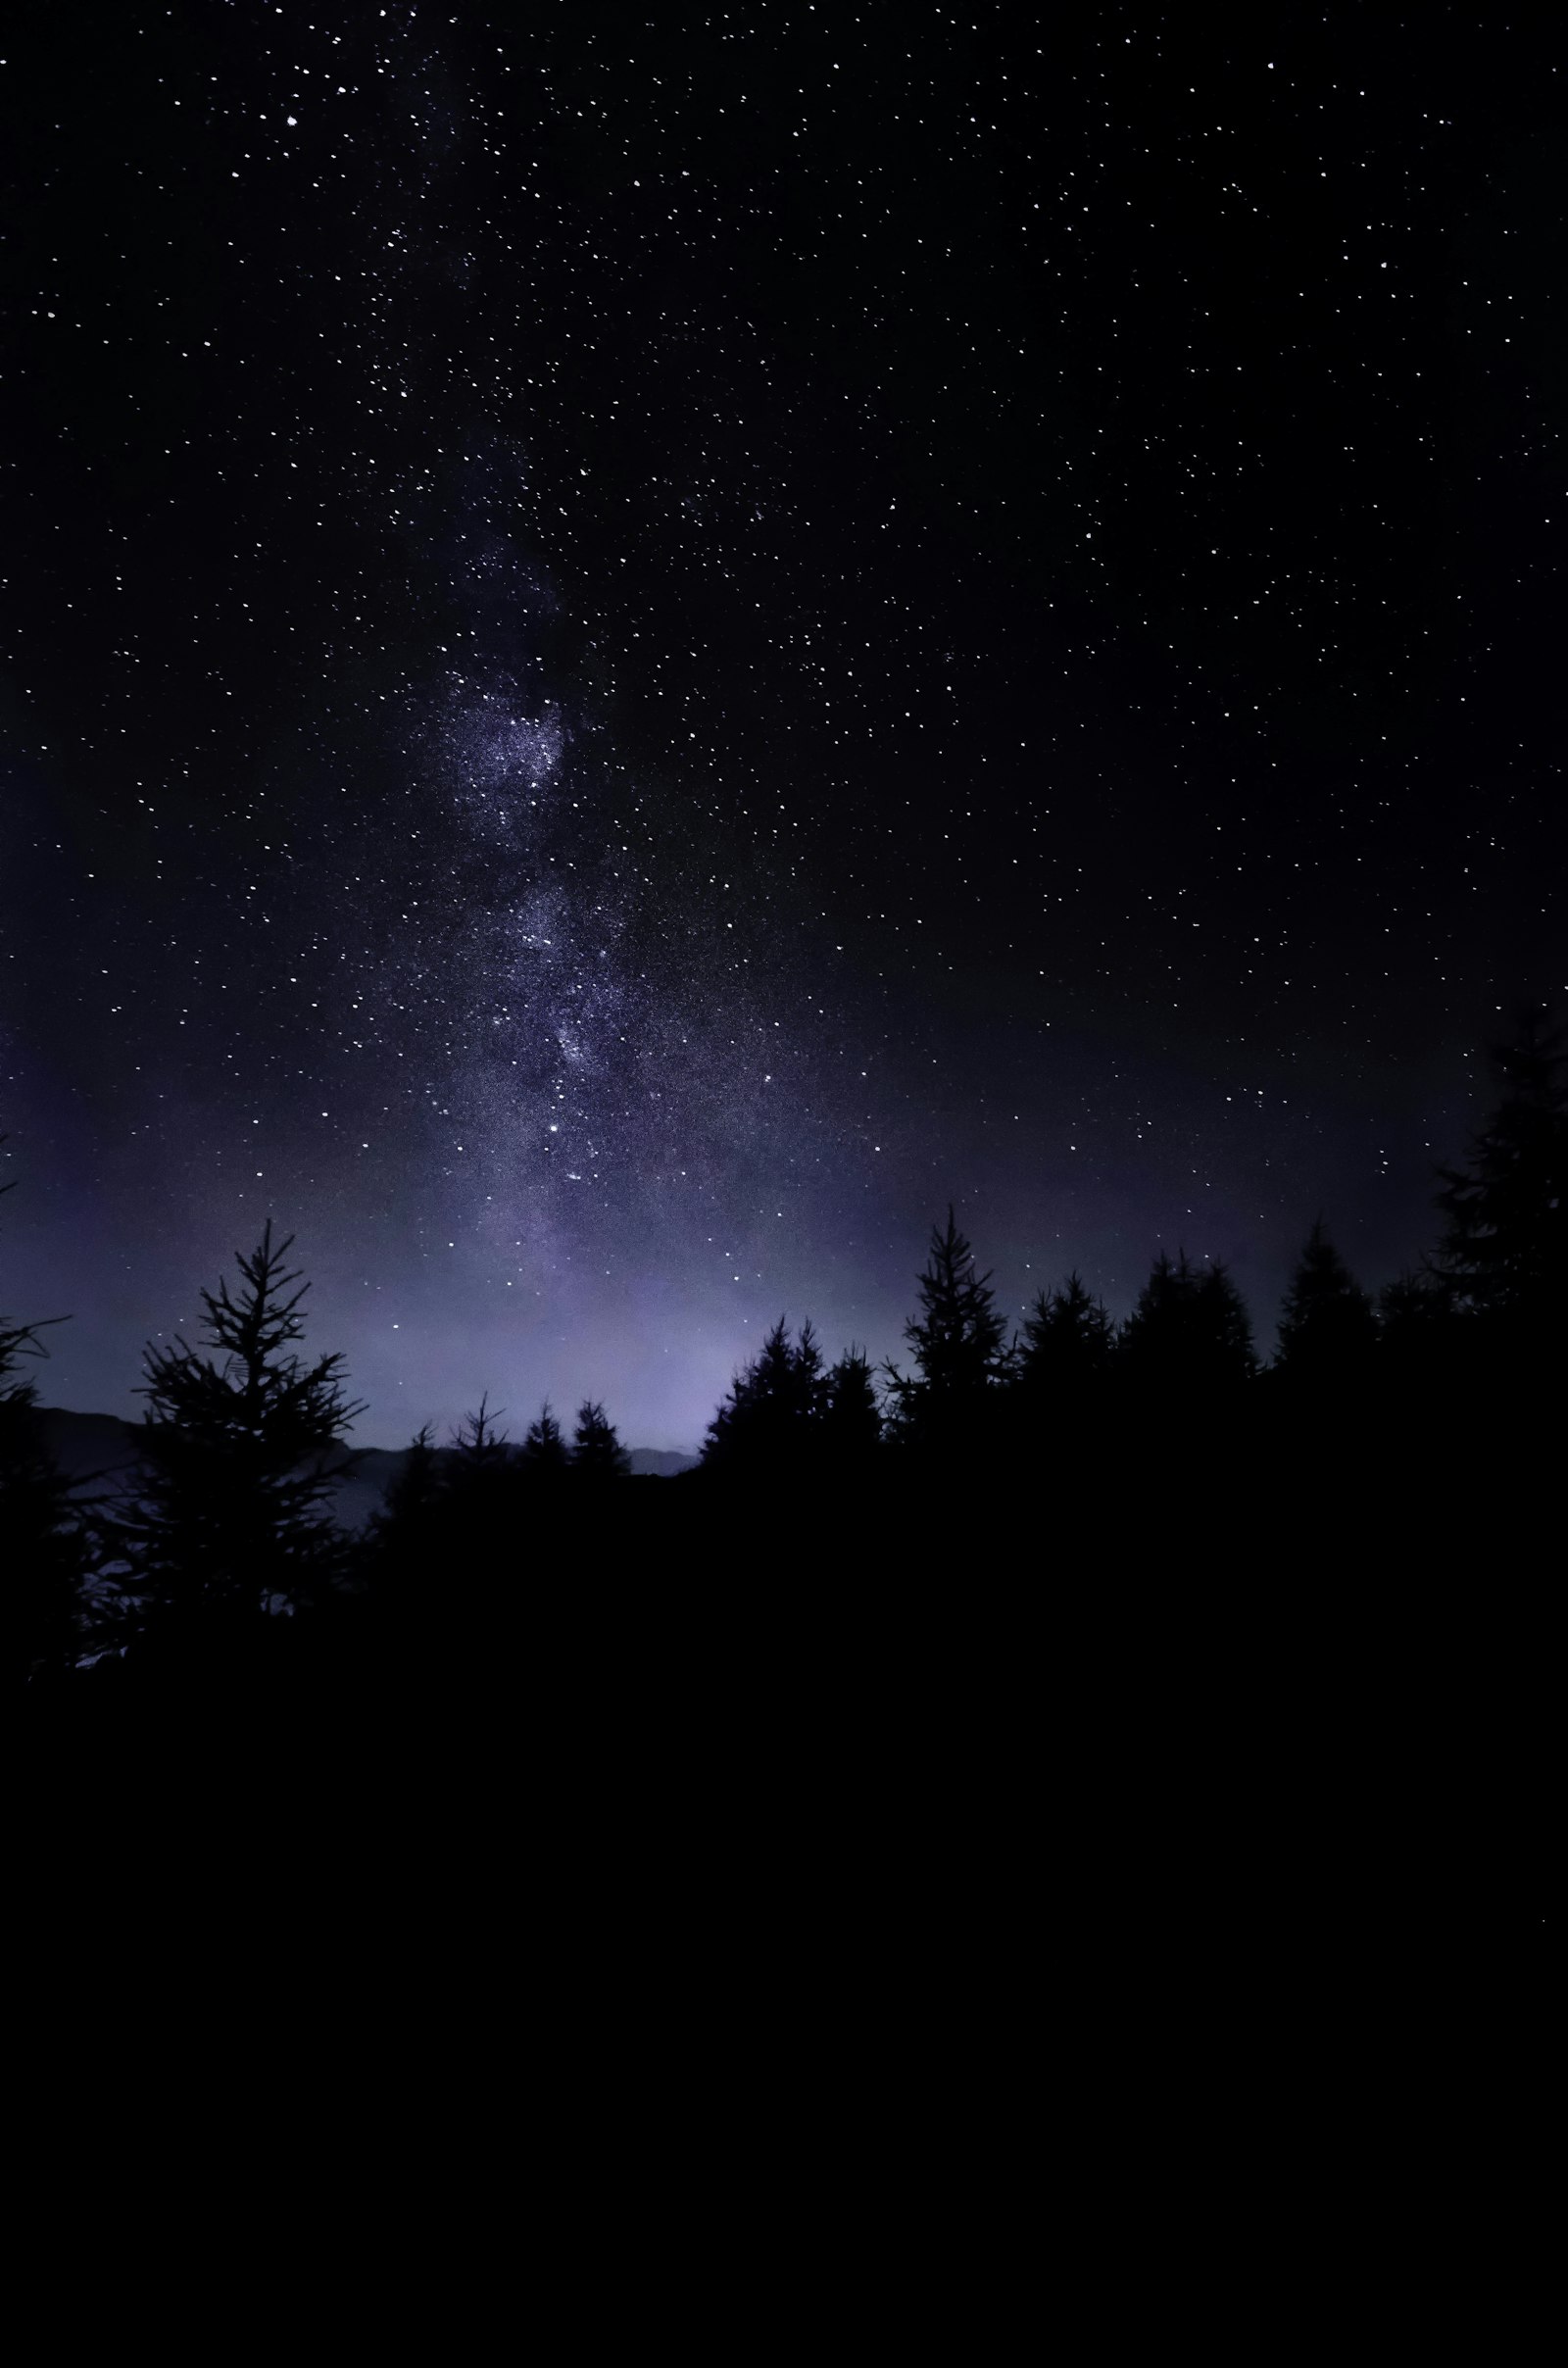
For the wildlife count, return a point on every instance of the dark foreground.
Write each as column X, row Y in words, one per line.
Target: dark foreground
column 1165, row 1709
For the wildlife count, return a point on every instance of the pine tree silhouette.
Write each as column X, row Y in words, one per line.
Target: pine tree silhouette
column 1503, row 1256
column 478, row 1444
column 240, row 1453
column 959, row 1344
column 1151, row 1345
column 1224, row 1331
column 773, row 1413
column 805, row 1387
column 478, row 1485
column 597, row 1454
column 1416, row 1338
column 544, row 1454
column 1416, row 1303
column 1068, row 1347
column 1327, row 1332
column 475, row 1521
column 1189, row 1335
column 852, row 1418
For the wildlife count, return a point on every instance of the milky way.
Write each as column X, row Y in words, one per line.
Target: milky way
column 646, row 651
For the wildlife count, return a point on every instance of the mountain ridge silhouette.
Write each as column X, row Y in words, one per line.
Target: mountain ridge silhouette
column 85, row 1446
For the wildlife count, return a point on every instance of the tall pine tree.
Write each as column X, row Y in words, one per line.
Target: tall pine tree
column 1189, row 1337
column 771, row 1418
column 596, row 1450
column 544, row 1454
column 1327, row 1333
column 242, row 1447
column 480, row 1443
column 478, row 1519
column 1069, row 1343
column 852, row 1419
column 1503, row 1255
column 959, row 1343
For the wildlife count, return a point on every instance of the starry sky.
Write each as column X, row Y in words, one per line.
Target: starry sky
column 643, row 643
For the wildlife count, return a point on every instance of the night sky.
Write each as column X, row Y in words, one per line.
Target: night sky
column 644, row 643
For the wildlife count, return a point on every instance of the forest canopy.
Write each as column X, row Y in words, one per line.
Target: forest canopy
column 223, row 1532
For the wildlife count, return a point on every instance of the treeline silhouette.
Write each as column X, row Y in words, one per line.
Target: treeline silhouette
column 1392, row 1433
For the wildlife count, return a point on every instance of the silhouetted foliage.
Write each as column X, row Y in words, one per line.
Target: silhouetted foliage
column 597, row 1454
column 479, row 1481
column 1189, row 1332
column 958, row 1340
column 478, row 1444
column 1153, row 1340
column 1503, row 1255
column 1068, row 1344
column 228, row 1516
column 1411, row 1310
column 1224, row 1329
column 852, row 1418
column 544, row 1454
column 1416, row 1341
column 1071, row 1441
column 774, row 1407
column 1327, row 1332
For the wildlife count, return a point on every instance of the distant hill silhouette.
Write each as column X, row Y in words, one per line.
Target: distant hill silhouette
column 659, row 1462
column 84, row 1445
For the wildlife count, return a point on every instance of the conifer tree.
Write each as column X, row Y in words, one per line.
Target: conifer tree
column 957, row 1339
column 1414, row 1305
column 1326, row 1332
column 544, row 1454
column 1189, row 1332
column 1159, row 1302
column 1149, row 1348
column 773, row 1413
column 1416, row 1334
column 1067, row 1345
column 852, row 1422
column 240, row 1453
column 478, row 1504
column 1503, row 1256
column 478, row 1444
column 1224, row 1332
column 596, row 1450
column 804, row 1393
